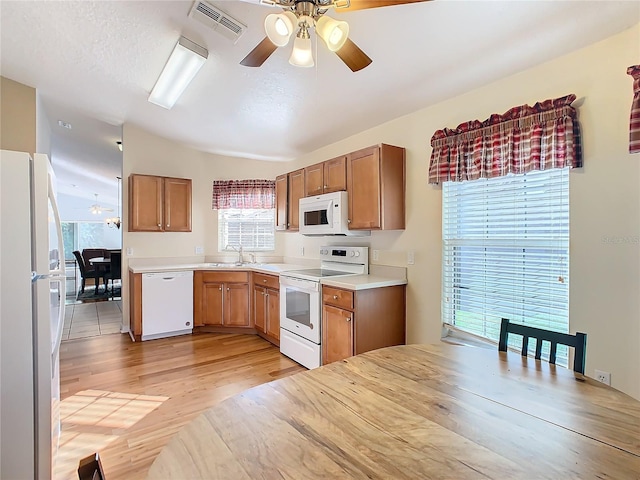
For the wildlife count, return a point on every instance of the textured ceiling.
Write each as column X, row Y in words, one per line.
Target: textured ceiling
column 94, row 63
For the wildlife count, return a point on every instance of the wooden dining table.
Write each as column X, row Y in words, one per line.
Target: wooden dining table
column 415, row 412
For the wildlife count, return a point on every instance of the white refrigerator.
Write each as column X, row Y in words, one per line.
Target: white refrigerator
column 32, row 293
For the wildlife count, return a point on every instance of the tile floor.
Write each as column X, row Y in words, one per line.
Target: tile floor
column 92, row 319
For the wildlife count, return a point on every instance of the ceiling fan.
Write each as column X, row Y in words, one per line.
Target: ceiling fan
column 304, row 15
column 96, row 209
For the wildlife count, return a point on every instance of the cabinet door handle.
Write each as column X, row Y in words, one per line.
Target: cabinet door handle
column 335, row 297
column 264, row 280
column 266, row 295
column 220, row 288
column 159, row 225
column 348, row 221
column 227, row 289
column 168, row 225
column 348, row 319
column 325, row 186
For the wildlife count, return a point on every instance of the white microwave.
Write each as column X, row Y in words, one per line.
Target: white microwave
column 326, row 214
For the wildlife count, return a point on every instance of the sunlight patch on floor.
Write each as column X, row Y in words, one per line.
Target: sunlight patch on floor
column 92, row 419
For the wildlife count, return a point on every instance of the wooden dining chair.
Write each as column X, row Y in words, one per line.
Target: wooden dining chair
column 577, row 341
column 115, row 272
column 86, row 272
column 90, row 468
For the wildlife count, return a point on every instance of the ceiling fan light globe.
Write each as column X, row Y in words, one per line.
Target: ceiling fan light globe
column 301, row 55
column 279, row 27
column 333, row 32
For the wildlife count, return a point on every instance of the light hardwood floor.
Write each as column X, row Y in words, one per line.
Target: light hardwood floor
column 126, row 400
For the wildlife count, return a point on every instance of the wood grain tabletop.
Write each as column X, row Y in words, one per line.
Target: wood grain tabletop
column 415, row 412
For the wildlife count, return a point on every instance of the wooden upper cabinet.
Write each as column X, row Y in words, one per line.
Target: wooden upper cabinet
column 296, row 192
column 145, row 203
column 281, row 202
column 314, row 180
column 326, row 177
column 335, row 174
column 376, row 188
column 177, row 205
column 159, row 204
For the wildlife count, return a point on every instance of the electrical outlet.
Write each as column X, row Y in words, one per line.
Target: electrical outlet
column 604, row 377
column 411, row 257
column 129, row 251
column 376, row 255
column 199, row 250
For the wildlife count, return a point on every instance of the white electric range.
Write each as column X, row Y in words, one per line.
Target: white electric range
column 301, row 301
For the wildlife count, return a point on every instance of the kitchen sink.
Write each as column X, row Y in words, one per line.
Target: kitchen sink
column 235, row 265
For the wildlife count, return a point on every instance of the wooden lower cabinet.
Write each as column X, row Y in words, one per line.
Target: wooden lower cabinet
column 135, row 305
column 266, row 307
column 355, row 322
column 337, row 334
column 221, row 299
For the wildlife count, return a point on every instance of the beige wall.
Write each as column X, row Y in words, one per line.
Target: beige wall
column 605, row 199
column 17, row 116
column 149, row 154
column 604, row 196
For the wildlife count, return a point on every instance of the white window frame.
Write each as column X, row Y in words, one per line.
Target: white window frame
column 514, row 233
column 261, row 239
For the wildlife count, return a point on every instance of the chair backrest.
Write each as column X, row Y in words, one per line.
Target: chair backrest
column 577, row 341
column 115, row 268
column 80, row 261
column 89, row 253
column 90, row 468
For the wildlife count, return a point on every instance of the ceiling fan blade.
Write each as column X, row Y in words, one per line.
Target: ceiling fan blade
column 258, row 55
column 353, row 57
column 362, row 4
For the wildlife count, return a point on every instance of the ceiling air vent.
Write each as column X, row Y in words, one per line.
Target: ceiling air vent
column 217, row 20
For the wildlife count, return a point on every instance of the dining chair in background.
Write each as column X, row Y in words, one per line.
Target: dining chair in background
column 577, row 341
column 115, row 270
column 89, row 253
column 87, row 272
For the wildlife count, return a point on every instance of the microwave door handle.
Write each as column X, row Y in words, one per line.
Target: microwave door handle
column 330, row 213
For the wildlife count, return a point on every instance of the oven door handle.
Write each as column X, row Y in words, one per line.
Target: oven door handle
column 299, row 283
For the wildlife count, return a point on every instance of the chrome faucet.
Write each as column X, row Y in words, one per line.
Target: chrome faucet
column 239, row 250
column 252, row 257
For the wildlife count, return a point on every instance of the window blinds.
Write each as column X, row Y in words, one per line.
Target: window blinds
column 251, row 228
column 506, row 252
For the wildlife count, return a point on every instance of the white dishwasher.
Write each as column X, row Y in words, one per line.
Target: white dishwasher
column 167, row 304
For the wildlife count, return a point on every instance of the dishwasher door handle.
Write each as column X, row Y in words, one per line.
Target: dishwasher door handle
column 168, row 279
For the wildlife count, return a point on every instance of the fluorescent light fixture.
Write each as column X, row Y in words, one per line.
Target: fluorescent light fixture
column 184, row 63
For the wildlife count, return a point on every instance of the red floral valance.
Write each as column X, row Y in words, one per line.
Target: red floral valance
column 522, row 139
column 243, row 194
column 634, row 121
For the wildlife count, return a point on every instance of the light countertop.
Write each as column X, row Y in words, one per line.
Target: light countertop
column 350, row 282
column 362, row 282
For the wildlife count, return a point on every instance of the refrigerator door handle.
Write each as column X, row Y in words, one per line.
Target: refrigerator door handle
column 47, row 276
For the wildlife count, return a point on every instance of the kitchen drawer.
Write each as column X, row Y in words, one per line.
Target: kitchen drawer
column 263, row 280
column 225, row 277
column 337, row 297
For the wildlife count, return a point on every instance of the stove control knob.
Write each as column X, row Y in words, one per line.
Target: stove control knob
column 357, row 254
column 353, row 254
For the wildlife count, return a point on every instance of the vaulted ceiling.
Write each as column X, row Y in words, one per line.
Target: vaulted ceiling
column 95, row 62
